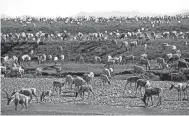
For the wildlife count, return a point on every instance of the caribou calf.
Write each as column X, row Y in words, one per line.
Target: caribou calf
column 44, row 94
column 56, row 85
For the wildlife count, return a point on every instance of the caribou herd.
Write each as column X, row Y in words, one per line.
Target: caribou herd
column 143, row 31
column 12, row 65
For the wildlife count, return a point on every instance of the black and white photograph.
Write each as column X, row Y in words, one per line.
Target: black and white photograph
column 94, row 57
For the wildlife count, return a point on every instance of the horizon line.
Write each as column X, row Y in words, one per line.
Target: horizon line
column 88, row 13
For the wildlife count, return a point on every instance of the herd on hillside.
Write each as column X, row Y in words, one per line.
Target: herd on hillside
column 15, row 65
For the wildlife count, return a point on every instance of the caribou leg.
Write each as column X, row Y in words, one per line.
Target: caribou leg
column 186, row 94
column 159, row 102
column 130, row 85
column 60, row 90
column 22, row 105
column 152, row 100
column 88, row 95
column 141, row 91
column 126, row 84
column 180, row 96
column 136, row 90
column 16, row 104
column 30, row 98
column 148, row 99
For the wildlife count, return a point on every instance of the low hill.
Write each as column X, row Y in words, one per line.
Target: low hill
column 117, row 14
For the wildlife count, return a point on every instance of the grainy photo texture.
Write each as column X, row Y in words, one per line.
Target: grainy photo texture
column 94, row 57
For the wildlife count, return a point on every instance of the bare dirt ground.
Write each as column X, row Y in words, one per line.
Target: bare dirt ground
column 87, row 109
column 108, row 99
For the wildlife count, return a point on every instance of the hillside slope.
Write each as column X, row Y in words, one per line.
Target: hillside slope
column 88, row 49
